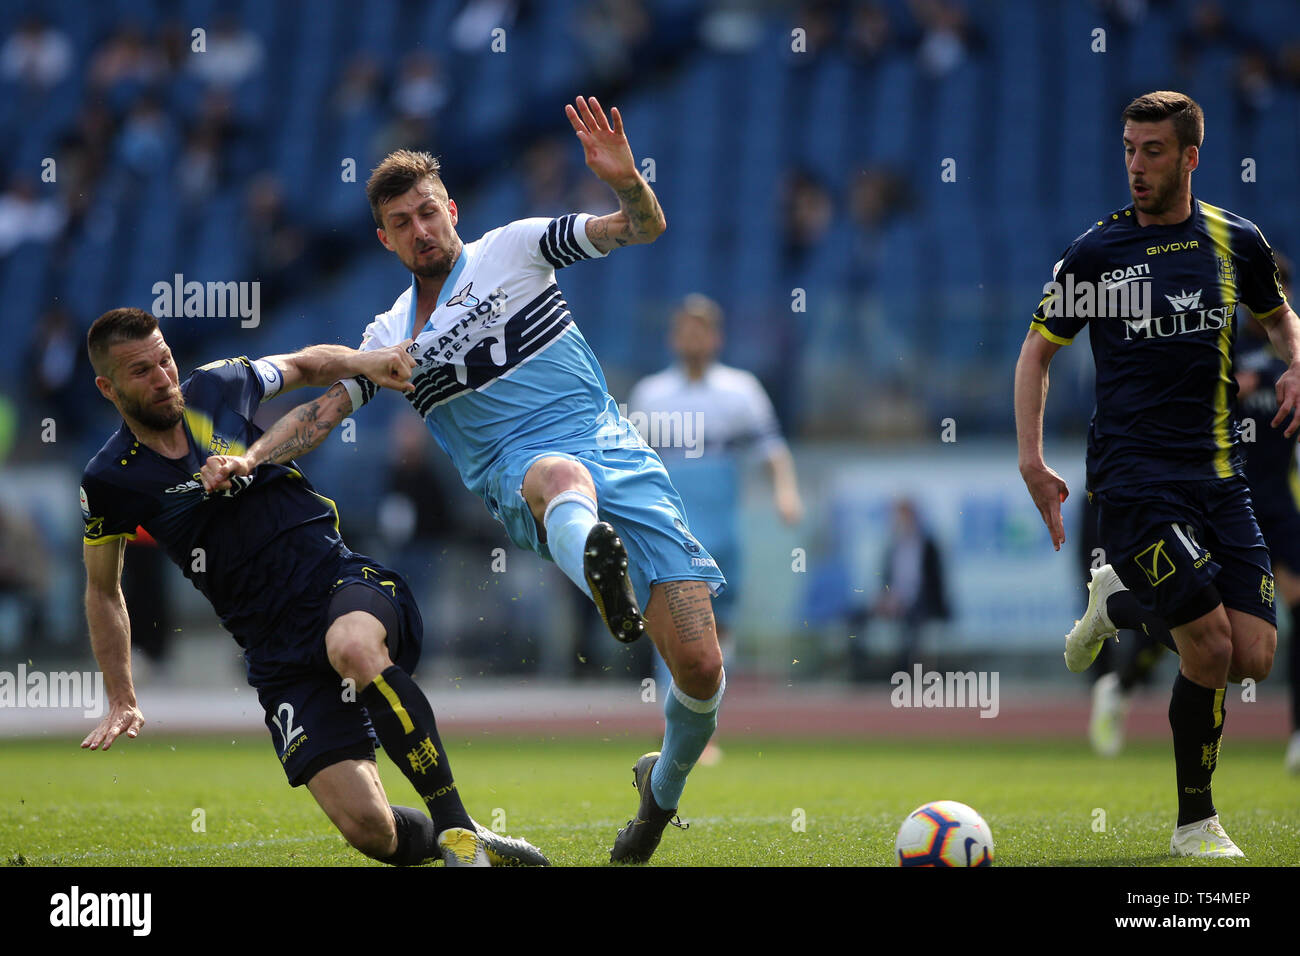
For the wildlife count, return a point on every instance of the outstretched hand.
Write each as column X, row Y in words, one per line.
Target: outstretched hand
column 1288, row 401
column 1048, row 489
column 605, row 147
column 120, row 719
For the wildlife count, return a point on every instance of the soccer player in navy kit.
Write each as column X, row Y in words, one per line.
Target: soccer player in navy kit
column 1174, row 509
column 329, row 636
column 1274, row 486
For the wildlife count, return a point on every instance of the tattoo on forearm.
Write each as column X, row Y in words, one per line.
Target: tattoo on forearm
column 691, row 610
column 300, row 433
column 639, row 204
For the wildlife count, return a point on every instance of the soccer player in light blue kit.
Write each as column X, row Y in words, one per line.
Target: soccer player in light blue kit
column 512, row 392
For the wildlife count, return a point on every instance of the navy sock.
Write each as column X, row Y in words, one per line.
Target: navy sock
column 1196, row 718
column 1124, row 611
column 417, row 840
column 403, row 721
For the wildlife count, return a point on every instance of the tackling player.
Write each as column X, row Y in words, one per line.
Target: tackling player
column 512, row 392
column 329, row 636
column 1174, row 509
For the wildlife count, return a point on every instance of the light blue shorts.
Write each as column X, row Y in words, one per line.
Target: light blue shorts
column 635, row 495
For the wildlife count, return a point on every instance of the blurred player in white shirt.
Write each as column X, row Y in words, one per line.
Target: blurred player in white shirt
column 705, row 419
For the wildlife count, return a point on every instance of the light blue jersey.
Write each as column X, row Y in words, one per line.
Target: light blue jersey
column 504, row 377
column 501, row 367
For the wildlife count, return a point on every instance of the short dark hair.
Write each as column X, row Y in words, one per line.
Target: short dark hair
column 1189, row 121
column 399, row 171
column 112, row 328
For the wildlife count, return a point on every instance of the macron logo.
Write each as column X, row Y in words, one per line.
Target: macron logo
column 1186, row 302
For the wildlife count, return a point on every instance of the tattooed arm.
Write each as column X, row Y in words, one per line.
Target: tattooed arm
column 295, row 434
column 639, row 218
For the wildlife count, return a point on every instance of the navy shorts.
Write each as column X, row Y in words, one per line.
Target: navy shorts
column 1169, row 542
column 1279, row 520
column 315, row 718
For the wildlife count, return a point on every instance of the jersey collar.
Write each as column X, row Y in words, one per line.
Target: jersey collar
column 448, row 290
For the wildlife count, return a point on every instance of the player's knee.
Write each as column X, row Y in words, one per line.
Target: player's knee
column 370, row 830
column 563, row 474
column 356, row 654
column 1211, row 652
column 1255, row 664
column 700, row 675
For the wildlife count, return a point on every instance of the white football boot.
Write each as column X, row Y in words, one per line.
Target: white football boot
column 1109, row 709
column 1205, row 838
column 1095, row 627
column 1293, row 749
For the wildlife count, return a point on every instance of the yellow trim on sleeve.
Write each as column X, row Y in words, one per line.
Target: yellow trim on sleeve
column 1050, row 336
column 1265, row 315
column 95, row 542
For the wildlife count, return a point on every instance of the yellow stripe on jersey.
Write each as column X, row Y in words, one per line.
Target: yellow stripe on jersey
column 203, row 432
column 1293, row 481
column 329, row 501
column 1050, row 336
column 1217, row 224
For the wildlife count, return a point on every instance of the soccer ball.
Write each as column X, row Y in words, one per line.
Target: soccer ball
column 944, row 833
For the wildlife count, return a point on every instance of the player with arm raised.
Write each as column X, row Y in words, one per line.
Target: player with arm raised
column 512, row 392
column 1186, row 558
column 267, row 554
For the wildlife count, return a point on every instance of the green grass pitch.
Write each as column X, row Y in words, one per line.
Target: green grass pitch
column 773, row 802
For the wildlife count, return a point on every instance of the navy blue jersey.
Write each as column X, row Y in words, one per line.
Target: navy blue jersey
column 251, row 549
column 1159, row 301
column 1270, row 456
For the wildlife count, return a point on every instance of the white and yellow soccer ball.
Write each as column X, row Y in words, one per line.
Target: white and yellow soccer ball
column 944, row 833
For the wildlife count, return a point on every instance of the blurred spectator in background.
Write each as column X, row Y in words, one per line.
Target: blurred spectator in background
column 1253, row 82
column 947, row 36
column 471, row 30
column 232, row 55
column 547, row 179
column 806, row 212
column 277, row 245
column 913, row 591
column 147, row 579
column 148, row 140
column 124, row 66
column 360, row 89
column 56, row 369
column 414, row 518
column 36, row 55
column 27, row 215
column 420, row 88
column 704, row 418
column 24, row 580
column 1210, row 28
column 871, row 33
column 610, row 32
